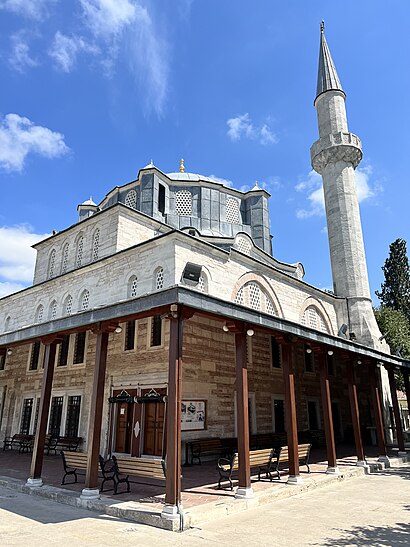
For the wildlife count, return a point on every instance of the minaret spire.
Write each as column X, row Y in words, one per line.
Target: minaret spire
column 327, row 77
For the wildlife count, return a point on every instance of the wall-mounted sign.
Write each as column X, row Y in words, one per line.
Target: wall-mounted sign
column 193, row 415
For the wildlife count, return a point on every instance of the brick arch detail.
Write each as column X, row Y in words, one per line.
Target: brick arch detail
column 263, row 283
column 311, row 301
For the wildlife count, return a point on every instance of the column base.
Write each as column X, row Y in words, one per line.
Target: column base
column 170, row 512
column 244, row 493
column 294, row 480
column 385, row 460
column 333, row 470
column 34, row 483
column 364, row 464
column 90, row 494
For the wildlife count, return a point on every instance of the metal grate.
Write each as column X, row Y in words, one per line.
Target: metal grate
column 239, row 297
column 201, row 284
column 243, row 245
column 69, row 305
column 26, row 416
column 51, row 263
column 96, row 244
column 133, row 287
column 232, row 211
column 53, row 310
column 80, row 249
column 270, row 308
column 65, row 258
column 254, row 296
column 85, row 300
column 131, row 199
column 73, row 415
column 159, row 279
column 183, row 203
column 40, row 313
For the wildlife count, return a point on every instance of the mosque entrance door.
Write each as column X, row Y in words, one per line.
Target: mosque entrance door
column 154, row 422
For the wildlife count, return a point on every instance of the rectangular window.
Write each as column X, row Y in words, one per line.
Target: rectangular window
column 330, row 365
column 26, row 416
column 36, row 415
column 156, row 331
column 35, row 354
column 129, row 336
column 309, row 360
column 2, row 360
column 161, row 199
column 56, row 412
column 313, row 414
column 278, row 415
column 79, row 348
column 276, row 353
column 63, row 352
column 73, row 415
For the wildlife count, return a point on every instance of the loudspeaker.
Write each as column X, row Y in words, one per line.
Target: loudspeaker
column 192, row 272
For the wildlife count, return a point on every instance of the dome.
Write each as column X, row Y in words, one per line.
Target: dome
column 190, row 177
column 89, row 202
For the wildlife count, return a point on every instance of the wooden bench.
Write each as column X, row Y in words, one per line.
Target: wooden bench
column 149, row 468
column 24, row 443
column 206, row 447
column 73, row 462
column 282, row 458
column 63, row 443
column 260, row 459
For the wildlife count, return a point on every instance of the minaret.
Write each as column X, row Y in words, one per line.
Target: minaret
column 335, row 156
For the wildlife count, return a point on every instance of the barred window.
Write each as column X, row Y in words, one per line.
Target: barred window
column 156, row 331
column 243, row 245
column 159, row 279
column 36, row 415
column 254, row 296
column 2, row 359
column 131, row 199
column 276, row 353
column 53, row 310
column 201, row 284
column 68, row 308
column 63, row 351
column 39, row 313
column 314, row 319
column 85, row 300
column 232, row 211
column 35, row 355
column 96, row 244
column 7, row 323
column 239, row 297
column 132, row 287
column 270, row 308
column 183, row 203
column 64, row 264
column 79, row 348
column 56, row 412
column 73, row 415
column 51, row 263
column 80, row 250
column 26, row 416
column 129, row 342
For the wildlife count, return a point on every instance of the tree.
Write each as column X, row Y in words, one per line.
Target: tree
column 395, row 291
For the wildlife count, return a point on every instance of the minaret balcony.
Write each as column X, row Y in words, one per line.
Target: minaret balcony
column 336, row 147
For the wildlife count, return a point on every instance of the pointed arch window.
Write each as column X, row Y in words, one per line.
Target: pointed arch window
column 64, row 263
column 131, row 199
column 53, row 310
column 51, row 264
column 80, row 251
column 85, row 300
column 96, row 244
column 239, row 297
column 39, row 313
column 132, row 286
column 159, row 279
column 254, row 296
column 7, row 323
column 68, row 305
column 314, row 319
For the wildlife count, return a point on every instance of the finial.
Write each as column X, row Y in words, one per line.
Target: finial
column 182, row 166
column 151, row 162
column 91, row 198
column 322, row 26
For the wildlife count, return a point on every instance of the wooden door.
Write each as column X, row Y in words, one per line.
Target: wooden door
column 154, row 414
column 123, row 428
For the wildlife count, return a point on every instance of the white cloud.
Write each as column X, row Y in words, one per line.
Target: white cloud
column 65, row 49
column 107, row 17
column 225, row 182
column 17, row 258
column 32, row 9
column 242, row 126
column 20, row 137
column 313, row 188
column 20, row 57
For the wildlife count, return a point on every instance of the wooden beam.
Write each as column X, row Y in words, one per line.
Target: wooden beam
column 396, row 409
column 377, row 409
column 244, row 473
column 354, row 409
column 290, row 413
column 327, row 411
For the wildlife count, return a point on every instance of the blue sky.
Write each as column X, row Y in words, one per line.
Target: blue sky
column 92, row 90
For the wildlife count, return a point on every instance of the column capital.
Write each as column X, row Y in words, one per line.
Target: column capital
column 51, row 338
column 176, row 311
column 104, row 326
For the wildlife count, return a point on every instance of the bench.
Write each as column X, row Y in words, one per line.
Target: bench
column 282, row 458
column 24, row 443
column 260, row 459
column 63, row 443
column 150, row 468
column 206, row 447
column 73, row 462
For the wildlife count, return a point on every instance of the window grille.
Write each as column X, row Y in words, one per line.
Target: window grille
column 159, row 279
column 156, row 331
column 314, row 319
column 63, row 351
column 254, row 296
column 79, row 348
column 73, row 415
column 64, row 265
column 53, row 309
column 201, row 284
column 239, row 297
column 85, row 300
column 243, row 245
column 40, row 313
column 270, row 308
column 56, row 412
column 131, row 199
column 96, row 244
column 36, row 415
column 80, row 249
column 35, row 355
column 129, row 336
column 26, row 416
column 69, row 305
column 183, row 203
column 232, row 211
column 133, row 287
column 51, row 263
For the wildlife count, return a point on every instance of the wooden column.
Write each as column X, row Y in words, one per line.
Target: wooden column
column 96, row 410
column 327, row 412
column 244, row 487
column 406, row 374
column 396, row 410
column 50, row 344
column 377, row 409
column 290, row 413
column 173, row 420
column 354, row 408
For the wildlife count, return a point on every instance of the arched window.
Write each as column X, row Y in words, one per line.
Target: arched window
column 244, row 245
column 80, row 250
column 132, row 286
column 203, row 283
column 314, row 319
column 51, row 264
column 53, row 310
column 159, row 279
column 68, row 305
column 7, row 323
column 85, row 300
column 254, row 296
column 183, row 203
column 232, row 211
column 39, row 313
column 131, row 199
column 269, row 306
column 96, row 244
column 239, row 297
column 64, row 263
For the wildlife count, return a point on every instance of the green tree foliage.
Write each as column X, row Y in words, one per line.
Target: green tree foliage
column 395, row 291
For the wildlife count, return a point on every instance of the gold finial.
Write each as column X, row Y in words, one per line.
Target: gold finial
column 182, row 166
column 322, row 26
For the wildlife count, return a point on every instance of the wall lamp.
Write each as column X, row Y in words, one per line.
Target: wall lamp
column 118, row 330
column 308, row 350
column 330, row 352
column 359, row 362
column 250, row 332
column 9, row 352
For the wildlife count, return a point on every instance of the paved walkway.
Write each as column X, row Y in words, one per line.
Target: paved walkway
column 371, row 510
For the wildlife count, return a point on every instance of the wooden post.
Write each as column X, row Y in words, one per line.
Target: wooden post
column 406, row 374
column 171, row 509
column 290, row 413
column 244, row 489
column 91, row 490
column 354, row 408
column 377, row 410
column 396, row 410
column 327, row 414
column 40, row 436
